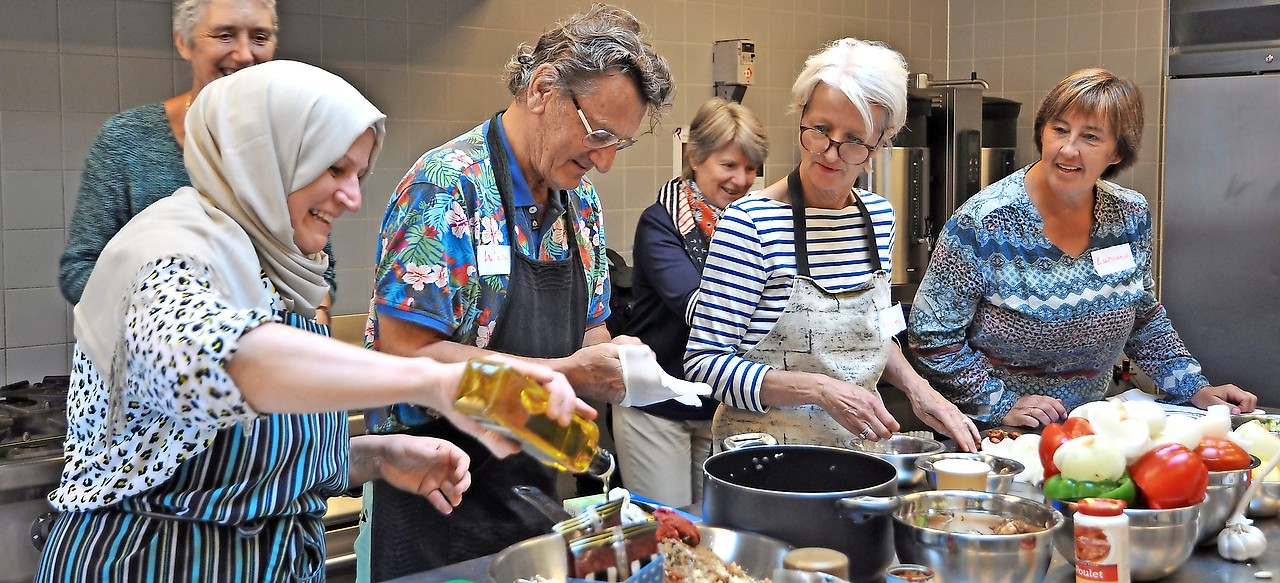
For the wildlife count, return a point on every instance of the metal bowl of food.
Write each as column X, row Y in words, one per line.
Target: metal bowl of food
column 1225, row 490
column 902, row 451
column 968, row 535
column 999, row 480
column 547, row 555
column 1160, row 541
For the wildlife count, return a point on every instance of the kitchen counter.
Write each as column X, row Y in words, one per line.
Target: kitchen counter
column 1205, row 566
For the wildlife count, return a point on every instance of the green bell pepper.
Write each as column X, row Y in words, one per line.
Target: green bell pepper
column 1068, row 490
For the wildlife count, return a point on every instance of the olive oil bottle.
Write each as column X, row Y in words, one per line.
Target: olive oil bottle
column 504, row 400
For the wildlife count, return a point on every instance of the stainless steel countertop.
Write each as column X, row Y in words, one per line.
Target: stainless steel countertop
column 1205, row 566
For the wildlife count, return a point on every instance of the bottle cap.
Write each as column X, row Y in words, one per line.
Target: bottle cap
column 1101, row 507
column 817, row 560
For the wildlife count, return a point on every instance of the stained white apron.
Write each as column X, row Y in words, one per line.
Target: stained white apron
column 833, row 334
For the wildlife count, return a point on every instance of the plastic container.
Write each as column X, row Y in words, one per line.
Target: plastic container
column 1101, row 541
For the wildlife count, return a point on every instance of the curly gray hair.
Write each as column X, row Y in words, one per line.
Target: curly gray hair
column 188, row 13
column 588, row 44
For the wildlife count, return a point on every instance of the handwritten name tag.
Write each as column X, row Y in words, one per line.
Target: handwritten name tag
column 494, row 259
column 892, row 321
column 1113, row 259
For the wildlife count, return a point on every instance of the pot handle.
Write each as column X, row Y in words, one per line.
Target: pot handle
column 862, row 508
column 541, row 501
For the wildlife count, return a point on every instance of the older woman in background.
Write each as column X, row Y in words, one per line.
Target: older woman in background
column 661, row 447
column 793, row 326
column 1041, row 280
column 137, row 157
column 207, row 415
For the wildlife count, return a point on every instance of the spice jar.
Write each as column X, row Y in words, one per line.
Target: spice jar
column 908, row 573
column 1102, row 541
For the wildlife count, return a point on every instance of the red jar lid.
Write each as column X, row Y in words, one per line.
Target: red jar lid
column 1101, row 506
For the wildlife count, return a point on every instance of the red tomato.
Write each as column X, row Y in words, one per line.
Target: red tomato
column 1223, row 455
column 1170, row 476
column 1056, row 434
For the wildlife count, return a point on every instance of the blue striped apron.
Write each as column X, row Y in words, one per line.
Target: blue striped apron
column 248, row 508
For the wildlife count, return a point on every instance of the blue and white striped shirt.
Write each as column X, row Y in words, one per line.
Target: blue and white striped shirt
column 747, row 282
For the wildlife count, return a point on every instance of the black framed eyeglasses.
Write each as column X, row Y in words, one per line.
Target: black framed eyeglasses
column 853, row 151
column 596, row 139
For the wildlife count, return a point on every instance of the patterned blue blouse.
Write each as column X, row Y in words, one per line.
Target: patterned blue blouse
column 1002, row 313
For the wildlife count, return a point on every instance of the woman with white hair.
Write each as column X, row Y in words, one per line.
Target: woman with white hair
column 794, row 326
column 207, row 419
column 137, row 157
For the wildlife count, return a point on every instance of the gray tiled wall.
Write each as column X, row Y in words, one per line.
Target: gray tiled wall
column 433, row 66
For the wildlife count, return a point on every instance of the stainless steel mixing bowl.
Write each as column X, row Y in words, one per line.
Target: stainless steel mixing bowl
column 1224, row 492
column 547, row 555
column 1160, row 541
column 1265, row 502
column 902, row 451
column 969, row 553
column 999, row 480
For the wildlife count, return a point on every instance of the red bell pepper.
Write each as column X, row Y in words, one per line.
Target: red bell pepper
column 1170, row 476
column 1223, row 455
column 1056, row 434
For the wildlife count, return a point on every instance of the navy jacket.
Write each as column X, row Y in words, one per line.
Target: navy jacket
column 664, row 279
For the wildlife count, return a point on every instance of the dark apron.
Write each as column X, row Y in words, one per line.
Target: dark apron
column 546, row 317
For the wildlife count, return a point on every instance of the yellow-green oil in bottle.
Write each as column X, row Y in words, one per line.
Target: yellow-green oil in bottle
column 506, row 401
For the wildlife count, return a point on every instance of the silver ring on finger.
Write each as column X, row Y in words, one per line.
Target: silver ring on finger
column 866, row 432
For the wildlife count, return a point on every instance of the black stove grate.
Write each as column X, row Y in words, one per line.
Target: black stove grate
column 33, row 417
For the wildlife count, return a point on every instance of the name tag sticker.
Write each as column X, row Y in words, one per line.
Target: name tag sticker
column 1113, row 259
column 494, row 259
column 892, row 321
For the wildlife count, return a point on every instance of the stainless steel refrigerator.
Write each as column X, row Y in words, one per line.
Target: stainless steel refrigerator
column 1221, row 221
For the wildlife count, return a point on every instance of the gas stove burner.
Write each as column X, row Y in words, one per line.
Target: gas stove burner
column 33, row 417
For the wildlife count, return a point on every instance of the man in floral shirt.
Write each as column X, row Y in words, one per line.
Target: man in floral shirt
column 494, row 242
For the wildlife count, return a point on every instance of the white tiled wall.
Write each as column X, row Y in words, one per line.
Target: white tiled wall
column 433, row 66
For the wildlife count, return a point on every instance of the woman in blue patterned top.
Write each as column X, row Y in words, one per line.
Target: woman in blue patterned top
column 207, row 418
column 1040, row 281
column 793, row 324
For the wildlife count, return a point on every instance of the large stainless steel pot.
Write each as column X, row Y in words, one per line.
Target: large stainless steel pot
column 793, row 493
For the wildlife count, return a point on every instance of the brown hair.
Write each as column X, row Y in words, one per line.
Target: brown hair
column 720, row 123
column 1098, row 92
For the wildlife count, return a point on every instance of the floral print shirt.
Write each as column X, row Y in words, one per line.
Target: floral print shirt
column 427, row 266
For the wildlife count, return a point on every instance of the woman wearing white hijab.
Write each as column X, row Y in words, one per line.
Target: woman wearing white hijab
column 207, row 421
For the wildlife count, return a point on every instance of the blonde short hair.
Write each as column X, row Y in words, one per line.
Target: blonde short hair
column 721, row 123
